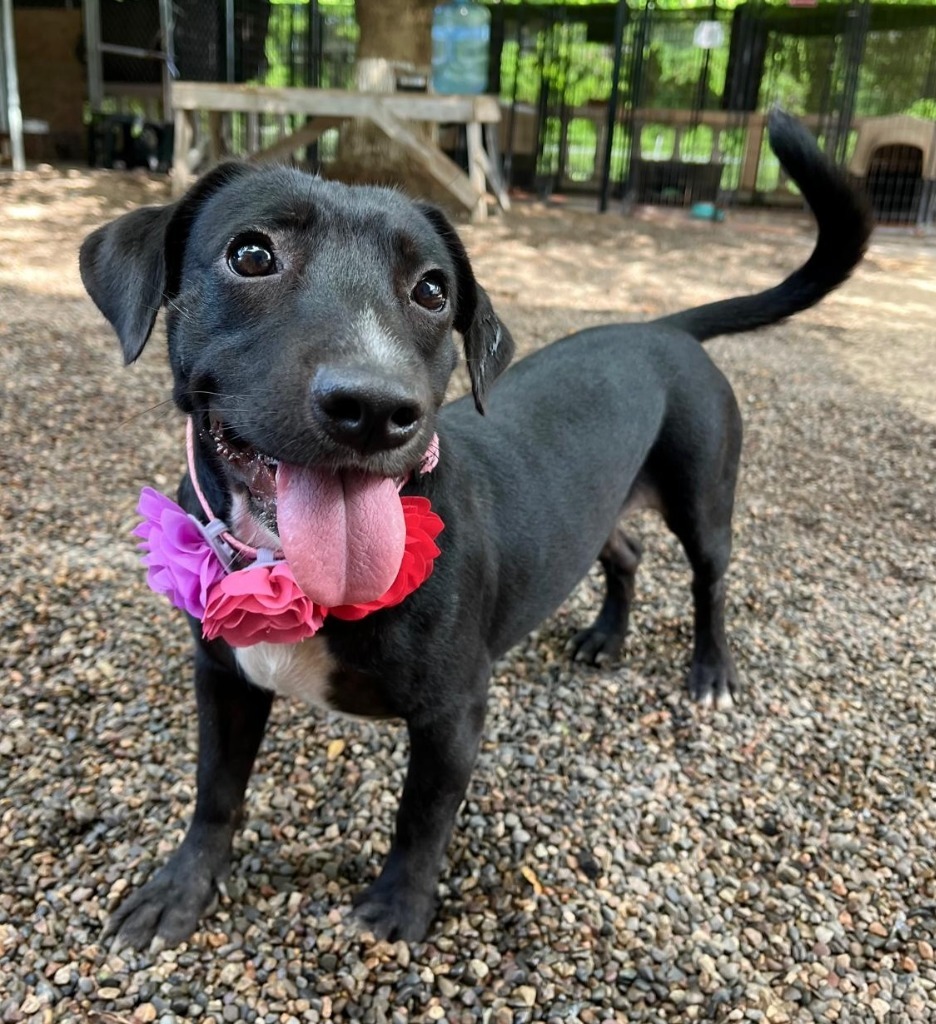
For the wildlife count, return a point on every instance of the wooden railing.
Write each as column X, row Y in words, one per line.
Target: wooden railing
column 322, row 109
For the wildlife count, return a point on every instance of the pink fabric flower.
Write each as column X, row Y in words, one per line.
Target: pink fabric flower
column 261, row 604
column 419, row 555
column 179, row 561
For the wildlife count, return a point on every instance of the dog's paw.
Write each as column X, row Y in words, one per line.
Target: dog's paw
column 394, row 912
column 166, row 910
column 596, row 645
column 714, row 684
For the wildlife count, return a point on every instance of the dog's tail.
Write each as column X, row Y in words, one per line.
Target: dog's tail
column 844, row 219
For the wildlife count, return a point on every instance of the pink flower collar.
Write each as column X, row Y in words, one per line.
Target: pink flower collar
column 201, row 568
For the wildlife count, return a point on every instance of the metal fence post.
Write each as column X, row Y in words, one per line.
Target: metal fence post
column 620, row 19
column 169, row 71
column 91, row 10
column 14, row 116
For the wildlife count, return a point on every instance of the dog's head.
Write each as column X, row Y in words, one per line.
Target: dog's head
column 309, row 323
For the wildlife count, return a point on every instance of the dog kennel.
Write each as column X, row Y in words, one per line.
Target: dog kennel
column 895, row 159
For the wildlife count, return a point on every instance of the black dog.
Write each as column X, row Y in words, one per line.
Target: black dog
column 310, row 335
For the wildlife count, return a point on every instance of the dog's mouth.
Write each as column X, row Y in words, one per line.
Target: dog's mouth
column 250, row 468
column 342, row 531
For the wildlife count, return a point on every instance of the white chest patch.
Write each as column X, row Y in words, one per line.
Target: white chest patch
column 290, row 670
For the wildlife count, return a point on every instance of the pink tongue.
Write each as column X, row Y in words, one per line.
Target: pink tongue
column 343, row 534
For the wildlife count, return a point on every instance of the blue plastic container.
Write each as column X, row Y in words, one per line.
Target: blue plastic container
column 461, row 38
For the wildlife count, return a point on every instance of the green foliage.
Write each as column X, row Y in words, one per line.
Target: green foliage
column 894, row 70
column 289, row 22
column 923, row 108
column 797, row 70
column 571, row 67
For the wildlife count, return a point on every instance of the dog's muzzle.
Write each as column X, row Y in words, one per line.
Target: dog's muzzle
column 342, row 532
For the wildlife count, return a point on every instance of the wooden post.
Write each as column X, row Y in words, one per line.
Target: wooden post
column 184, row 136
column 752, row 152
column 215, row 137
column 253, row 132
column 476, row 168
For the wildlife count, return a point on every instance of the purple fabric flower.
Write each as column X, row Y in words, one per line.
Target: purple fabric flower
column 180, row 562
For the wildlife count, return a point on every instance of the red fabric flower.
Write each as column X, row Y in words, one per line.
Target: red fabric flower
column 419, row 554
column 261, row 604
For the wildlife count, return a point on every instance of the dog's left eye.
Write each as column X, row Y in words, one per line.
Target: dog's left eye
column 251, row 259
column 429, row 293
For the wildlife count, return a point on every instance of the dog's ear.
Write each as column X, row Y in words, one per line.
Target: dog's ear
column 123, row 269
column 132, row 265
column 488, row 344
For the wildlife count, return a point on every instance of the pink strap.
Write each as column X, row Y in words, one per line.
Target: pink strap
column 239, row 546
column 431, row 459
column 429, row 462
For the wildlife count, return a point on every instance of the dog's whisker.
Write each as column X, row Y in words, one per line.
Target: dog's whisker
column 165, row 406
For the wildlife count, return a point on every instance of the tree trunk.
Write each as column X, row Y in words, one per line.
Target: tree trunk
column 396, row 35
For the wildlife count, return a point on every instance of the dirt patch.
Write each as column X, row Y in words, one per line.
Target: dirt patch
column 879, row 327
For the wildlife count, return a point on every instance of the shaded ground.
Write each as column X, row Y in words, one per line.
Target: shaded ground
column 620, row 856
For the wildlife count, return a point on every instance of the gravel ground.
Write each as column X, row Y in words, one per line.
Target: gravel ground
column 621, row 856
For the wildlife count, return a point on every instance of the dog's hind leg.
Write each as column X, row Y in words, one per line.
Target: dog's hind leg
column 701, row 519
column 402, row 901
column 713, row 679
column 232, row 716
column 603, row 639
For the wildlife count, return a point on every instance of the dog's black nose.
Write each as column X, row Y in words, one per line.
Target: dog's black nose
column 363, row 409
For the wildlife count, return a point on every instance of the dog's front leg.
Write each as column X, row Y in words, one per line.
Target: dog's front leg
column 232, row 717
column 402, row 902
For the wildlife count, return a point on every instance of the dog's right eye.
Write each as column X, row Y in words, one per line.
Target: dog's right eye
column 252, row 258
column 429, row 293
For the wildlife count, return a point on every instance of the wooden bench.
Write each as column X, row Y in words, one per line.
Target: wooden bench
column 391, row 113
